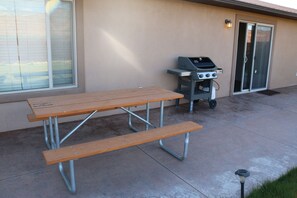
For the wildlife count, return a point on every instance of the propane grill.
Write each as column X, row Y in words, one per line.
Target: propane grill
column 195, row 79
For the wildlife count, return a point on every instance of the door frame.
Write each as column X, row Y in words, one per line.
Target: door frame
column 257, row 21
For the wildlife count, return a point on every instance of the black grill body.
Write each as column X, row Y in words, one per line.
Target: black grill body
column 195, row 79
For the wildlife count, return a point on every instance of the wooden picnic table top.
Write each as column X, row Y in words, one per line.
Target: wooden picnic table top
column 75, row 104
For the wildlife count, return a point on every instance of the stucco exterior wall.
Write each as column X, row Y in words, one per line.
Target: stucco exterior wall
column 131, row 43
column 284, row 62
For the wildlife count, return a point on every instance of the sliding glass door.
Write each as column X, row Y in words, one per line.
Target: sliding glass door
column 253, row 57
column 261, row 57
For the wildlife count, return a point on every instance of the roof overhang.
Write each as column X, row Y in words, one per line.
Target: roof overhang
column 250, row 7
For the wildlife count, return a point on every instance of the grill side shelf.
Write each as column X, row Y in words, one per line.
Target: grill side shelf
column 179, row 72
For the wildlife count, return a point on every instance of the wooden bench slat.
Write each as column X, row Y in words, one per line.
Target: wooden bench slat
column 115, row 143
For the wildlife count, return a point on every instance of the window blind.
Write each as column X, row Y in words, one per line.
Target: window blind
column 62, row 45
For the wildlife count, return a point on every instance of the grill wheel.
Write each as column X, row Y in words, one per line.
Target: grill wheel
column 212, row 104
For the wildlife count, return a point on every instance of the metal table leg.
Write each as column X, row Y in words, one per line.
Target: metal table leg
column 186, row 141
column 70, row 182
column 57, row 134
column 47, row 142
column 130, row 121
column 147, row 126
column 146, row 121
column 193, row 85
column 52, row 136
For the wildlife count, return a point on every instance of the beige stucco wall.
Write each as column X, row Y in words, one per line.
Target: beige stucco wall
column 131, row 43
column 284, row 60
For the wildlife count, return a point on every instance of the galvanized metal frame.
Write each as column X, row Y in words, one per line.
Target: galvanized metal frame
column 54, row 142
column 46, row 140
column 146, row 121
column 77, row 127
column 161, row 124
column 173, row 153
column 69, row 181
column 162, row 145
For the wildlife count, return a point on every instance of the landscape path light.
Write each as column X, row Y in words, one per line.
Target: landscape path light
column 243, row 174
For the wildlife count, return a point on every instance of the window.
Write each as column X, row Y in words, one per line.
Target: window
column 37, row 45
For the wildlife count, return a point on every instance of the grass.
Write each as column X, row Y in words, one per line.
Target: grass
column 283, row 187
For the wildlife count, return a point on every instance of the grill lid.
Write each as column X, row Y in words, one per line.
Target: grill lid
column 195, row 63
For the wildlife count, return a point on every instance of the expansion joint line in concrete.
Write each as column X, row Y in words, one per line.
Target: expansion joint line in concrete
column 189, row 184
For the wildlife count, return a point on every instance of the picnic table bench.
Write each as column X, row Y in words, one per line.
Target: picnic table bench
column 49, row 109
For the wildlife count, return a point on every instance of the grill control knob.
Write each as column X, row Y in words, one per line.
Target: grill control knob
column 214, row 75
column 207, row 75
column 200, row 75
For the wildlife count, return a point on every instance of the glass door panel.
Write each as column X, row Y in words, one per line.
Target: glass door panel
column 262, row 57
column 240, row 57
column 248, row 59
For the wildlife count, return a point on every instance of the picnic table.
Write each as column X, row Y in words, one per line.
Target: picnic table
column 50, row 109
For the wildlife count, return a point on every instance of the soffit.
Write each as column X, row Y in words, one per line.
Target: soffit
column 256, row 6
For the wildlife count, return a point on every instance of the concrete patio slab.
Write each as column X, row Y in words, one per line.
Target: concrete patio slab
column 125, row 173
column 214, row 154
column 278, row 127
column 251, row 131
